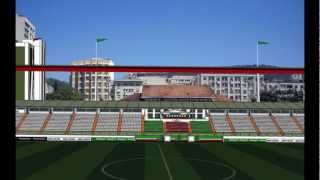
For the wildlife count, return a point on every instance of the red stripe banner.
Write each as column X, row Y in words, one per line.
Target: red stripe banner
column 182, row 69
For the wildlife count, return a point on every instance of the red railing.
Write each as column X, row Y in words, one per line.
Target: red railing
column 186, row 69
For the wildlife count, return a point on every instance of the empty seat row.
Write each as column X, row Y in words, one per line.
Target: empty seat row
column 287, row 125
column 219, row 122
column 58, row 122
column 108, row 122
column 82, row 122
column 242, row 123
column 18, row 116
column 264, row 123
column 131, row 122
column 33, row 122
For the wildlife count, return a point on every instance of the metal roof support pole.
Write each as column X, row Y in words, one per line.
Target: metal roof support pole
column 207, row 114
column 161, row 112
column 153, row 113
column 146, row 114
column 203, row 113
column 196, row 113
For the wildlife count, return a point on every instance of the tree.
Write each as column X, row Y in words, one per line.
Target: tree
column 63, row 91
column 268, row 96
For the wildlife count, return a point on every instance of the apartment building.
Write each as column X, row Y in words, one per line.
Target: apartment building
column 84, row 82
column 127, row 87
column 237, row 87
column 30, row 85
column 25, row 30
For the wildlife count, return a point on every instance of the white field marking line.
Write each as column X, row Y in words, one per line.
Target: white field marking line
column 69, row 136
column 165, row 162
column 216, row 163
column 139, row 158
column 116, row 162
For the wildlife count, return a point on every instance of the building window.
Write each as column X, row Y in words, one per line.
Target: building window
column 26, row 24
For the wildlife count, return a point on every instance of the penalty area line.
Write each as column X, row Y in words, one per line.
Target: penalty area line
column 165, row 162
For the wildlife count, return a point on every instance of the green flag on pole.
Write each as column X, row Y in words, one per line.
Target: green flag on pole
column 101, row 39
column 263, row 42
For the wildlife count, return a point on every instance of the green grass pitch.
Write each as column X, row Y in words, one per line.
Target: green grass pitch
column 158, row 161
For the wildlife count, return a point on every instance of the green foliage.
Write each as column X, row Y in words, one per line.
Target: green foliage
column 63, row 91
column 276, row 96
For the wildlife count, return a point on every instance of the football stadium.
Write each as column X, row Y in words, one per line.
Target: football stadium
column 159, row 140
column 166, row 132
column 162, row 113
column 165, row 90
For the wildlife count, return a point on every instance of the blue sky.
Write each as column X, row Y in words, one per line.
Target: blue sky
column 170, row 32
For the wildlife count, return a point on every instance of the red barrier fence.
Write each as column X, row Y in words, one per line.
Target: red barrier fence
column 184, row 69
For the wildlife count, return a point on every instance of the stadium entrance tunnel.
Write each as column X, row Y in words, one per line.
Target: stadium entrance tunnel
column 113, row 169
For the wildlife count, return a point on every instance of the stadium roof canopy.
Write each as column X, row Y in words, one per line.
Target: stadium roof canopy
column 176, row 91
column 159, row 104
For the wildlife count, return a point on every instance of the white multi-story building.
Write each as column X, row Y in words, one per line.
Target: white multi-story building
column 25, row 30
column 164, row 78
column 125, row 88
column 283, row 86
column 49, row 89
column 84, row 82
column 30, row 85
column 237, row 87
column 298, row 77
column 150, row 78
column 182, row 79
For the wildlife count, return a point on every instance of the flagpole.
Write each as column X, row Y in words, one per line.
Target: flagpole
column 258, row 79
column 95, row 77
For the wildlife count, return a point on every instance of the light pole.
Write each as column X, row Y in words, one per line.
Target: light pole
column 96, row 74
column 258, row 77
